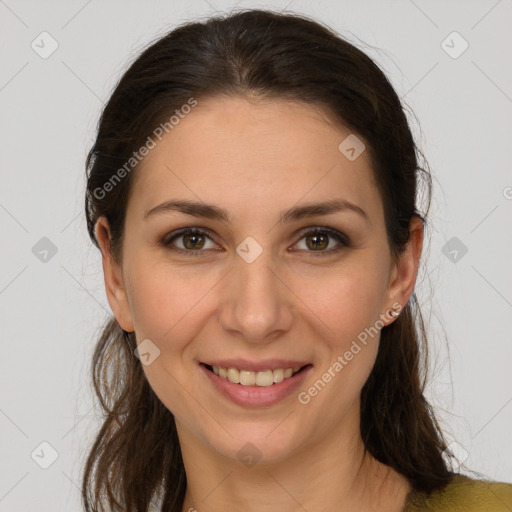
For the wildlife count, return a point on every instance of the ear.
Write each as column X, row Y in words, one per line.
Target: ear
column 405, row 269
column 112, row 273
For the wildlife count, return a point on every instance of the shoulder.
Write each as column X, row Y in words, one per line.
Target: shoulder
column 464, row 494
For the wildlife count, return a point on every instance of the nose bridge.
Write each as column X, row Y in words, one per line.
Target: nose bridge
column 254, row 302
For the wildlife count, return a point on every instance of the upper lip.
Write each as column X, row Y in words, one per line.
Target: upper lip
column 257, row 366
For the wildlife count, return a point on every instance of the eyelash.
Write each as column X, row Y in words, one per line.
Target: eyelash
column 341, row 238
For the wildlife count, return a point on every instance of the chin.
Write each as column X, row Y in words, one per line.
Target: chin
column 256, row 444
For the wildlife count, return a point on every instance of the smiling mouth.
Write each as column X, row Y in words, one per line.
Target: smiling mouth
column 264, row 378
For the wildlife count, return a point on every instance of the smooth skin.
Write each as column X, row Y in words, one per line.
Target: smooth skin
column 299, row 299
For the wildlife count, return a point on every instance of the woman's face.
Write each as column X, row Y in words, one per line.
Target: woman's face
column 251, row 290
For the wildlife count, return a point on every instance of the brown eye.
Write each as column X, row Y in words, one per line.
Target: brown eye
column 320, row 240
column 317, row 241
column 193, row 241
column 190, row 241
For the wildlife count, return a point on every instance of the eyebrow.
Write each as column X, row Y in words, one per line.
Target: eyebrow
column 210, row 211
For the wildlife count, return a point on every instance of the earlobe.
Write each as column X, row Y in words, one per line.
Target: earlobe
column 403, row 277
column 113, row 277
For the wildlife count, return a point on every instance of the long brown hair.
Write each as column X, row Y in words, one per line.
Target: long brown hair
column 136, row 457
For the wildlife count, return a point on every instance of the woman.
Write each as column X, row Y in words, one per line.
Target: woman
column 252, row 189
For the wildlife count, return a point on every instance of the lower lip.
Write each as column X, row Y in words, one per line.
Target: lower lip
column 256, row 396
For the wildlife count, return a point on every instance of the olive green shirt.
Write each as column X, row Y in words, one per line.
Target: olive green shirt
column 463, row 494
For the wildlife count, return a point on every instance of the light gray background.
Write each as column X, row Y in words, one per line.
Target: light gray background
column 52, row 311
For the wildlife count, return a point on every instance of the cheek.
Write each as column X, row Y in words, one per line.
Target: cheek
column 166, row 301
column 346, row 301
column 167, row 309
column 348, row 344
column 345, row 308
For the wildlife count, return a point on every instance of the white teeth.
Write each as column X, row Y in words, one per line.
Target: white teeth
column 250, row 378
column 234, row 375
column 247, row 378
column 278, row 375
column 265, row 378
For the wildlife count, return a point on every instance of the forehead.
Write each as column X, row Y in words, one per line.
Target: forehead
column 252, row 154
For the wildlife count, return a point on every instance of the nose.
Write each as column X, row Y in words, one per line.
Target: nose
column 256, row 303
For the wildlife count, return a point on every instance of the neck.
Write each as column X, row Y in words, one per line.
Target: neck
column 334, row 473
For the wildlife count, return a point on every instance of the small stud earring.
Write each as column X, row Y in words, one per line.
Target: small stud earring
column 394, row 313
